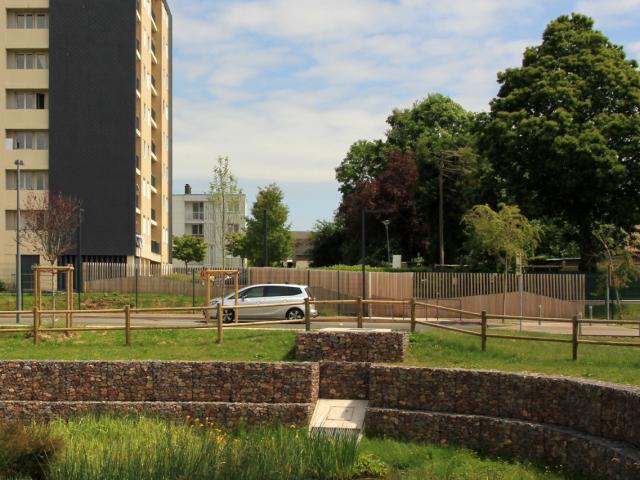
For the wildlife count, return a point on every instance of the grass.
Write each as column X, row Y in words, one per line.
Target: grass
column 119, row 448
column 429, row 348
column 91, row 301
column 412, row 461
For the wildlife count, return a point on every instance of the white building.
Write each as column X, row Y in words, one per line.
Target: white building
column 196, row 214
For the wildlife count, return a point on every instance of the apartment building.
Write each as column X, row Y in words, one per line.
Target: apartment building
column 196, row 214
column 86, row 105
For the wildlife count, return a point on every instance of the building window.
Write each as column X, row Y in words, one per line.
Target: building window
column 28, row 20
column 30, row 61
column 26, row 101
column 30, row 140
column 197, row 230
column 29, row 179
column 197, row 211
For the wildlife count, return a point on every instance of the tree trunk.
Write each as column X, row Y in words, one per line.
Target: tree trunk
column 589, row 249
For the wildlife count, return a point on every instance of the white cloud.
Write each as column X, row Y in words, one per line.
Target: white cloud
column 283, row 87
column 610, row 13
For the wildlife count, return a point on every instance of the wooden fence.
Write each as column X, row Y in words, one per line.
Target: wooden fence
column 545, row 295
column 481, row 321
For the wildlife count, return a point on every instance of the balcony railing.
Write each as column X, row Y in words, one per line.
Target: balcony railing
column 198, row 216
column 155, row 247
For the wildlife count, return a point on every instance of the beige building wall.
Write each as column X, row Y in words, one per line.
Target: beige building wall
column 153, row 130
column 153, row 122
column 15, row 121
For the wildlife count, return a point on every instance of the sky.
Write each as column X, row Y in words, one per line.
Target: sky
column 284, row 87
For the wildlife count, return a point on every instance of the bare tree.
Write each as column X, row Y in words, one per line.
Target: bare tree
column 50, row 225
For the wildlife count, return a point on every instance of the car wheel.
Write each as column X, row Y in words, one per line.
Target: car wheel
column 228, row 316
column 294, row 314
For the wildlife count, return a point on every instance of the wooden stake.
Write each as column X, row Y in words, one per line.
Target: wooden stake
column 574, row 338
column 483, row 330
column 127, row 324
column 36, row 326
column 412, row 305
column 220, row 318
column 307, row 314
column 360, row 311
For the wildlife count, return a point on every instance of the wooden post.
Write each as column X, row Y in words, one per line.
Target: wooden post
column 235, row 284
column 574, row 337
column 36, row 300
column 69, row 297
column 483, row 330
column 127, row 324
column 307, row 314
column 220, row 318
column 207, row 278
column 36, row 326
column 412, row 305
column 360, row 311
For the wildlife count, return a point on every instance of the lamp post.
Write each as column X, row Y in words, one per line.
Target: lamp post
column 265, row 237
column 18, row 163
column 363, row 252
column 79, row 258
column 386, row 227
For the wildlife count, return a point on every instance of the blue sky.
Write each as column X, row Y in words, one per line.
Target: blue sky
column 284, row 87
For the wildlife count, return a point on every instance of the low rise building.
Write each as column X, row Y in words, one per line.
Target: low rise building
column 199, row 215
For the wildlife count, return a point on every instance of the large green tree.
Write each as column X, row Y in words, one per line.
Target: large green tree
column 564, row 130
column 327, row 239
column 250, row 244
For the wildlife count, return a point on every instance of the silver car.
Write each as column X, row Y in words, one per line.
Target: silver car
column 267, row 294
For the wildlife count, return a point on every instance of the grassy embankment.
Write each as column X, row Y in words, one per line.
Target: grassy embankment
column 428, row 348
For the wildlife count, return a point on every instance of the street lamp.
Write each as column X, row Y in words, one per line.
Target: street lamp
column 18, row 164
column 363, row 249
column 386, row 227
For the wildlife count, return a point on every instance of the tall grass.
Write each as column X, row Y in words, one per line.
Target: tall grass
column 106, row 448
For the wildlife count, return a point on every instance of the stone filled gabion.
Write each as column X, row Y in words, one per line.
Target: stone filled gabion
column 352, row 346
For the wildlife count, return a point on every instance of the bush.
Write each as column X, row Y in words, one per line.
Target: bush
column 370, row 466
column 27, row 450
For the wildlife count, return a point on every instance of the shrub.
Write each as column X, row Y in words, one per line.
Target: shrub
column 27, row 450
column 370, row 466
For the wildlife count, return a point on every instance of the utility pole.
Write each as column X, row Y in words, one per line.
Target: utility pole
column 79, row 258
column 18, row 164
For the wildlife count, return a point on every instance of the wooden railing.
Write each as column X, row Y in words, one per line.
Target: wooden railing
column 482, row 321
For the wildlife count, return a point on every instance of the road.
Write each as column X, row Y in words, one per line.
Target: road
column 164, row 320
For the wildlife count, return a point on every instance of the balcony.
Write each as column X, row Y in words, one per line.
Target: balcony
column 138, row 127
column 16, row 79
column 153, row 119
column 154, row 152
column 155, row 247
column 154, row 217
column 27, row 38
column 138, row 49
column 138, row 87
column 27, row 119
column 154, row 189
column 138, row 164
column 195, row 217
column 153, row 52
column 153, row 86
column 153, row 21
column 138, row 10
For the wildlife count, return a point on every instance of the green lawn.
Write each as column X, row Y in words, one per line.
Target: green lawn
column 432, row 348
column 103, row 300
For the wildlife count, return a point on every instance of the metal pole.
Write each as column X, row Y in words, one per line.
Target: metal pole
column 608, row 293
column 363, row 259
column 193, row 288
column 18, row 164
column 136, row 261
column 386, row 227
column 441, row 212
column 265, row 236
column 79, row 259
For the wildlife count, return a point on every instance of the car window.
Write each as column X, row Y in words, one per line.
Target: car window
column 293, row 291
column 277, row 291
column 254, row 292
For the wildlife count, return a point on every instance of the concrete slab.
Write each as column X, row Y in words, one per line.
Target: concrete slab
column 341, row 329
column 339, row 415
